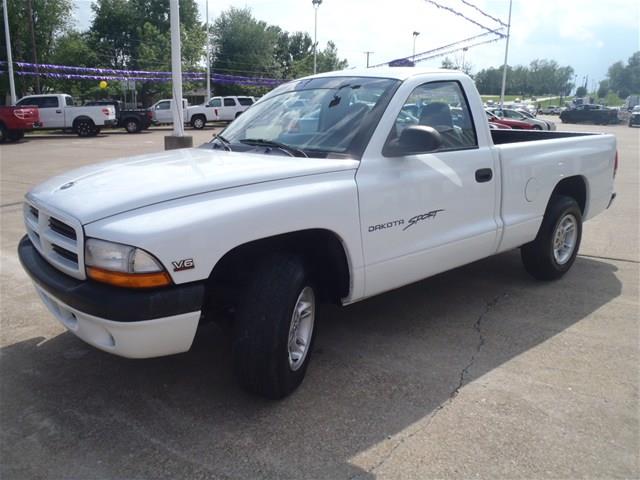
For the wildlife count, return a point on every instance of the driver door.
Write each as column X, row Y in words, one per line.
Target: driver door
column 425, row 213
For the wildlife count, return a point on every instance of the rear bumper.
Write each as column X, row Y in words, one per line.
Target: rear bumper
column 110, row 123
column 129, row 323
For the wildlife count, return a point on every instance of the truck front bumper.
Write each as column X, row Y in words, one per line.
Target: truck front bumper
column 126, row 322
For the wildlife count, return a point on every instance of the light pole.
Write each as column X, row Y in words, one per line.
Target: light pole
column 178, row 139
column 415, row 35
column 464, row 50
column 7, row 36
column 316, row 5
column 367, row 53
column 506, row 54
column 208, row 96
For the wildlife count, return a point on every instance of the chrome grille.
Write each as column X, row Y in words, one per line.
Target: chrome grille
column 57, row 237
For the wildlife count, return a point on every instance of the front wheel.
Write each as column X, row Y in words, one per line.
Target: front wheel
column 274, row 326
column 554, row 249
column 15, row 135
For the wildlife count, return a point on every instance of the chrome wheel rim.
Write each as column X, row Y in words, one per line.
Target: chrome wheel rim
column 199, row 123
column 301, row 328
column 565, row 238
column 132, row 126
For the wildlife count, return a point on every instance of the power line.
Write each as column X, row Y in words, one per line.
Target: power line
column 462, row 15
column 469, row 4
column 442, row 54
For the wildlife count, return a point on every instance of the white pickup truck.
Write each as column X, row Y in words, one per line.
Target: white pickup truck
column 195, row 115
column 58, row 111
column 332, row 188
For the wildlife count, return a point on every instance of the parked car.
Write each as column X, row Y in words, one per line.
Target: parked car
column 230, row 108
column 497, row 126
column 132, row 120
column 634, row 117
column 508, row 122
column 57, row 111
column 550, row 110
column 589, row 113
column 265, row 222
column 523, row 116
column 15, row 121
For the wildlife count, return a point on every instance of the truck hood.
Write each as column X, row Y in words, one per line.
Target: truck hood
column 98, row 191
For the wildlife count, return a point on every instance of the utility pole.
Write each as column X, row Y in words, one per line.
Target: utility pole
column 33, row 44
column 208, row 96
column 415, row 35
column 316, row 5
column 178, row 139
column 7, row 37
column 506, row 54
column 367, row 54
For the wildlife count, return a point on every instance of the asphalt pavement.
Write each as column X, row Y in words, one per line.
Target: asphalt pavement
column 478, row 372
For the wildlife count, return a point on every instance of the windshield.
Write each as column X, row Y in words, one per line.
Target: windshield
column 319, row 116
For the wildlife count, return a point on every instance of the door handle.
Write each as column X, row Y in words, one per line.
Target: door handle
column 58, row 111
column 484, row 175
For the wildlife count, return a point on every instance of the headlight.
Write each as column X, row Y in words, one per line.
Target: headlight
column 123, row 265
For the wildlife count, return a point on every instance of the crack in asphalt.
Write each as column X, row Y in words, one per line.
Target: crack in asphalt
column 477, row 326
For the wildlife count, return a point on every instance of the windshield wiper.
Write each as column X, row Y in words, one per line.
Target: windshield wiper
column 261, row 142
column 225, row 143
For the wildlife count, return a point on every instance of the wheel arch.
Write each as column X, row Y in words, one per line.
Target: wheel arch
column 323, row 250
column 79, row 118
column 576, row 187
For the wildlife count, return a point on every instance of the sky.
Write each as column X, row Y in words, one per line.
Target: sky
column 588, row 35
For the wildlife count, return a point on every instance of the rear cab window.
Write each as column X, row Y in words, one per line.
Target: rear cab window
column 229, row 102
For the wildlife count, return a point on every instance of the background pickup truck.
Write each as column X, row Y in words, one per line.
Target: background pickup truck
column 195, row 115
column 132, row 120
column 330, row 189
column 14, row 121
column 57, row 111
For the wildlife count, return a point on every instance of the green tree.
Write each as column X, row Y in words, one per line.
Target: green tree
column 581, row 92
column 603, row 89
column 625, row 79
column 51, row 18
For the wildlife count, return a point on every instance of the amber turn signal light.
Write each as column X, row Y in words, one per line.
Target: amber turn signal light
column 129, row 280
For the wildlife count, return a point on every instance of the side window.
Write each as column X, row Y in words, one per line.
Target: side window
column 442, row 106
column 30, row 101
column 245, row 101
column 216, row 102
column 49, row 102
column 163, row 106
column 229, row 102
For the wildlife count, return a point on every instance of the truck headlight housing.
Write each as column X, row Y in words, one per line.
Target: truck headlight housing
column 123, row 265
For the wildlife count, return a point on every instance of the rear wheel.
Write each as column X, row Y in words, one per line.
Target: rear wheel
column 198, row 122
column 85, row 128
column 132, row 125
column 537, row 127
column 274, row 326
column 554, row 249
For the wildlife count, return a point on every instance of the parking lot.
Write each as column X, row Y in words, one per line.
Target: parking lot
column 480, row 371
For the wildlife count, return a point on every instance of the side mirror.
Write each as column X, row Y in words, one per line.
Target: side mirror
column 414, row 140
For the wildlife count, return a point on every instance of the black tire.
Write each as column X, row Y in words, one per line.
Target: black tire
column 198, row 121
column 15, row 135
column 537, row 127
column 3, row 133
column 85, row 128
column 538, row 256
column 262, row 324
column 131, row 125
